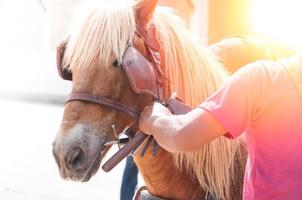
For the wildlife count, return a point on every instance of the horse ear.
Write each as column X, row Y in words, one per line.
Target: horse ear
column 144, row 11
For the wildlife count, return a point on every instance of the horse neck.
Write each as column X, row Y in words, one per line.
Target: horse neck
column 192, row 70
column 164, row 179
column 195, row 74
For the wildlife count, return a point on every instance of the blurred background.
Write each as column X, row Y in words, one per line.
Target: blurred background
column 32, row 94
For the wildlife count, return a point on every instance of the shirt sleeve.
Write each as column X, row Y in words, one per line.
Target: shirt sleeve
column 235, row 103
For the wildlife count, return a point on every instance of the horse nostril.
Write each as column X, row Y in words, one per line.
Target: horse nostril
column 75, row 159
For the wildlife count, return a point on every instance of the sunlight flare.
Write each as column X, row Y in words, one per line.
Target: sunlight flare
column 278, row 20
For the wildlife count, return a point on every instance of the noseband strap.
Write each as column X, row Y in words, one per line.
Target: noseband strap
column 80, row 96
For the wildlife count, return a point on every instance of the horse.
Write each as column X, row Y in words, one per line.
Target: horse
column 95, row 52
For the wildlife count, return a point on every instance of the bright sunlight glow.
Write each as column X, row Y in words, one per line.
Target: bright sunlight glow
column 278, row 19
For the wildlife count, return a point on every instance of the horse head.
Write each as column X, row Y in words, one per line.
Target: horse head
column 113, row 78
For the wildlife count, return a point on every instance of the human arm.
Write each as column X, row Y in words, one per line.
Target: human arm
column 180, row 133
column 232, row 109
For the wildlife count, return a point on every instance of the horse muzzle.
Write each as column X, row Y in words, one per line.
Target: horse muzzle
column 78, row 153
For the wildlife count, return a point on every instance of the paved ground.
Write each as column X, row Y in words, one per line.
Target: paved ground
column 28, row 170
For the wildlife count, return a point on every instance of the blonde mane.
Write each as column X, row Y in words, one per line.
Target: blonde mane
column 101, row 30
column 193, row 72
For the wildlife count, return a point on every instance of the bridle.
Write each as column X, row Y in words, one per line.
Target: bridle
column 79, row 96
column 145, row 76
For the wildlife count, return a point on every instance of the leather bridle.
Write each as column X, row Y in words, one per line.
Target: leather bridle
column 152, row 85
column 80, row 96
column 145, row 76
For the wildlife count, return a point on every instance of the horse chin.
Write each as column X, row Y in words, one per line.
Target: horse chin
column 94, row 167
column 92, row 170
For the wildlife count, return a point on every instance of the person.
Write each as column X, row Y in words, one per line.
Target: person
column 260, row 100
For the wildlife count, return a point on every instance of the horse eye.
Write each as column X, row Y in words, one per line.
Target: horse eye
column 116, row 64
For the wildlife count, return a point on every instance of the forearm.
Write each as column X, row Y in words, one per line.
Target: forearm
column 186, row 133
column 166, row 130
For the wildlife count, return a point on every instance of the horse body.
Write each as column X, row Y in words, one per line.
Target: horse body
column 94, row 53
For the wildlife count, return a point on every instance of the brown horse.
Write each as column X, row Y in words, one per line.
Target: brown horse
column 95, row 53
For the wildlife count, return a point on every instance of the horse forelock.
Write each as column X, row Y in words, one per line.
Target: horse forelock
column 101, row 31
column 195, row 74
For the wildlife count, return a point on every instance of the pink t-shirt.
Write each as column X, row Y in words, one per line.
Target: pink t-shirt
column 261, row 101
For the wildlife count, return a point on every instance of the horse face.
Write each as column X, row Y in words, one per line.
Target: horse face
column 86, row 127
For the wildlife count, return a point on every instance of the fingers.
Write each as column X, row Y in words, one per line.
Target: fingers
column 144, row 120
column 149, row 116
column 174, row 95
column 160, row 110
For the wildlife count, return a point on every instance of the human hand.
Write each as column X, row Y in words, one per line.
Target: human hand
column 149, row 115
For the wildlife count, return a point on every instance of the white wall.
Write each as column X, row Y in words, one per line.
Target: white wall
column 26, row 25
column 199, row 23
column 22, row 24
